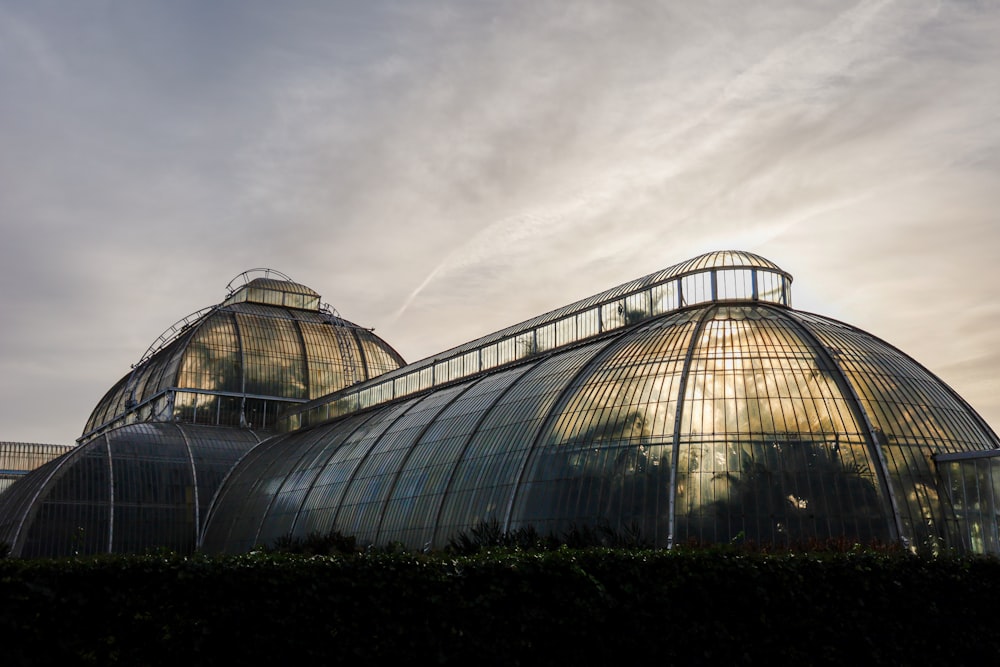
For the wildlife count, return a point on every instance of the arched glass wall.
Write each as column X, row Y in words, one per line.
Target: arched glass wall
column 726, row 421
column 139, row 487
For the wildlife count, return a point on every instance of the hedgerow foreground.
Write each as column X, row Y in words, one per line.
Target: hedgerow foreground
column 500, row 606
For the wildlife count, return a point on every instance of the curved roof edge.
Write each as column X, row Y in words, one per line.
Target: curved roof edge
column 726, row 275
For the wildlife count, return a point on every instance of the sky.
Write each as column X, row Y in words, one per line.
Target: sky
column 440, row 169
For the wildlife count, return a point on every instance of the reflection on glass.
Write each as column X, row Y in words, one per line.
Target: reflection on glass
column 623, row 306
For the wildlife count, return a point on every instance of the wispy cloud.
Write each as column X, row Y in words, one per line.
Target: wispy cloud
column 440, row 169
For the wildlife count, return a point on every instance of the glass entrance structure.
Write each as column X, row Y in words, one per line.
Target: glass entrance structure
column 693, row 404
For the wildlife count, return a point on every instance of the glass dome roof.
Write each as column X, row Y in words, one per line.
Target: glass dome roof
column 269, row 345
column 731, row 419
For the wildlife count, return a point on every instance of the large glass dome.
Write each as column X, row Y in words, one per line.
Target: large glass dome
column 732, row 418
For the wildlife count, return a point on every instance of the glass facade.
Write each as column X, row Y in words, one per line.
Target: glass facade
column 971, row 493
column 157, row 446
column 733, row 419
column 714, row 277
column 694, row 406
column 20, row 458
column 268, row 347
column 139, row 487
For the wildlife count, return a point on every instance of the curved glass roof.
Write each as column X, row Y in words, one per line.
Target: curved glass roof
column 725, row 259
column 724, row 276
column 725, row 421
column 268, row 346
column 693, row 405
column 132, row 489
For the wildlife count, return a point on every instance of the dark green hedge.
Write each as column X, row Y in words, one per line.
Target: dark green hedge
column 560, row 607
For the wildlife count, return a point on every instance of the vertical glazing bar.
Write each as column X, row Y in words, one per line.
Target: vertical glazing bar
column 584, row 371
column 874, row 438
column 413, row 445
column 194, row 482
column 111, row 495
column 678, row 415
column 304, row 351
column 312, row 484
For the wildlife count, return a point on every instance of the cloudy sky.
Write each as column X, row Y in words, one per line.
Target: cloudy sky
column 438, row 169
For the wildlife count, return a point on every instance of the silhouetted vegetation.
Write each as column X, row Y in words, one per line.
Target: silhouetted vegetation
column 500, row 607
column 315, row 544
column 490, row 535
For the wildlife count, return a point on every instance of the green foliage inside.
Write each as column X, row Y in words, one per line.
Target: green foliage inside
column 500, row 607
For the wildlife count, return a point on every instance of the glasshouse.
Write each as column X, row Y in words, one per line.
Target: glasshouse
column 693, row 406
column 159, row 443
column 690, row 406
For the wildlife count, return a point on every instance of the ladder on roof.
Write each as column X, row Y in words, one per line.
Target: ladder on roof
column 342, row 332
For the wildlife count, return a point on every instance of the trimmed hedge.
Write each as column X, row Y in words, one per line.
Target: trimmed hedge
column 499, row 607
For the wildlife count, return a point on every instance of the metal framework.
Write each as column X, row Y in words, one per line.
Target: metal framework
column 725, row 416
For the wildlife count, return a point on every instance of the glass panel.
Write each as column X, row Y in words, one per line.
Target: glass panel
column 735, row 284
column 273, row 357
column 770, row 452
column 412, row 511
column 326, row 365
column 914, row 417
column 696, row 289
column 566, row 331
column 664, row 298
column 323, row 503
column 365, row 499
column 484, row 480
column 770, row 287
column 545, row 338
column 588, row 324
column 972, row 487
column 289, row 472
column 606, row 455
column 212, row 358
column 636, row 308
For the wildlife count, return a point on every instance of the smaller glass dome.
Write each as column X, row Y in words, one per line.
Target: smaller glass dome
column 270, row 345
